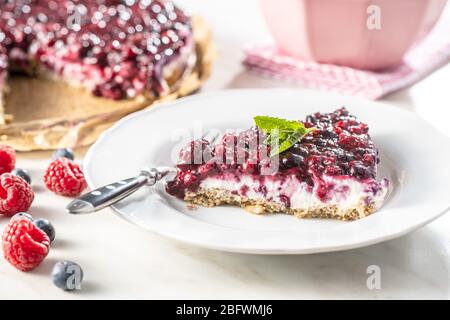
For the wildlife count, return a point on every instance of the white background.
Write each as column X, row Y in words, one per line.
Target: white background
column 122, row 261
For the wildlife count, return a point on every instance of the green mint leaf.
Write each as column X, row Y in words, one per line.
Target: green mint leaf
column 290, row 141
column 281, row 134
column 268, row 124
column 276, row 136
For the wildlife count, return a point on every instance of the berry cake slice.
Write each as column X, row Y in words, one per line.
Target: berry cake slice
column 328, row 172
column 116, row 49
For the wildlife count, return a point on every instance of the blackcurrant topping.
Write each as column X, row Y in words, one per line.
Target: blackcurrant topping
column 340, row 147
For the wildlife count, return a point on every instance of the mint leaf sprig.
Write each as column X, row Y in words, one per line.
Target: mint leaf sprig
column 281, row 134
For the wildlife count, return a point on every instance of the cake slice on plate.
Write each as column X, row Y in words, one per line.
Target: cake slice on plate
column 323, row 167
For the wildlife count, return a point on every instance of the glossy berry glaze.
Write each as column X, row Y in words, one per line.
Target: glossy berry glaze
column 116, row 48
column 340, row 148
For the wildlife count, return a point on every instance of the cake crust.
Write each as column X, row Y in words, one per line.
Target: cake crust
column 216, row 197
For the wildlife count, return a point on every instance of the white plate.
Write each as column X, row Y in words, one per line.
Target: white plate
column 414, row 156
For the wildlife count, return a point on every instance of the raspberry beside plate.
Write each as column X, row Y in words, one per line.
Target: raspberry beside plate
column 16, row 194
column 25, row 246
column 65, row 177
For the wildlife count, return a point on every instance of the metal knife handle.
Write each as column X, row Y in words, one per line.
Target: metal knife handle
column 107, row 195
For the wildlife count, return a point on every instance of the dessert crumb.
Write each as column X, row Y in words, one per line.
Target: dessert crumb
column 191, row 207
column 255, row 209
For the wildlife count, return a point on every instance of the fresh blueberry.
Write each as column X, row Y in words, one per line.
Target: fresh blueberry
column 67, row 275
column 63, row 153
column 23, row 214
column 47, row 227
column 23, row 174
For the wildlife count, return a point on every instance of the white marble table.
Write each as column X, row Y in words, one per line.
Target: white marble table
column 122, row 261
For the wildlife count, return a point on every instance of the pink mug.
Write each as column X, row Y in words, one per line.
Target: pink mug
column 364, row 34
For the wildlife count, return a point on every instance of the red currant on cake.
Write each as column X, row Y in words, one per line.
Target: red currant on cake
column 323, row 167
column 16, row 194
column 25, row 246
column 65, row 177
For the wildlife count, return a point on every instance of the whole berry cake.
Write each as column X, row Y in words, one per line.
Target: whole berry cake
column 118, row 49
column 323, row 167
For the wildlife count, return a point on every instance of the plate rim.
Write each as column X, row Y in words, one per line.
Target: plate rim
column 173, row 104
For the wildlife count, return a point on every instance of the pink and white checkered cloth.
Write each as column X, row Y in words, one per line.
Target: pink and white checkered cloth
column 431, row 54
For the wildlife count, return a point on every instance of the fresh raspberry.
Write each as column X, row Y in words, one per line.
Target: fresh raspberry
column 24, row 244
column 64, row 177
column 16, row 194
column 7, row 158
